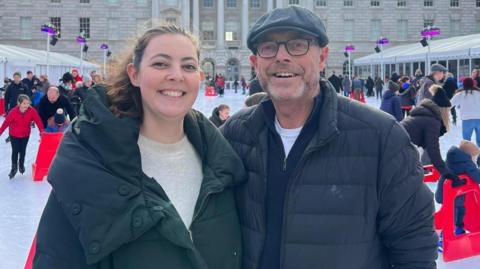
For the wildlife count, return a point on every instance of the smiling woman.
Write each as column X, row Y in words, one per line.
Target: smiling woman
column 142, row 180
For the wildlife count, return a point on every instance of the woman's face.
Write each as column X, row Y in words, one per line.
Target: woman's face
column 168, row 77
column 24, row 105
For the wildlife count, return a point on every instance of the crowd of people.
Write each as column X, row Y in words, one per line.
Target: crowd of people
column 142, row 180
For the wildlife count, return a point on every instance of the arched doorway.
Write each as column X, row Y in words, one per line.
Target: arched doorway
column 233, row 70
column 208, row 67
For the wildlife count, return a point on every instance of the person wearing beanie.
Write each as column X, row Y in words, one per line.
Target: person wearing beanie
column 66, row 85
column 467, row 100
column 391, row 101
column 426, row 124
column 436, row 76
column 317, row 195
column 57, row 123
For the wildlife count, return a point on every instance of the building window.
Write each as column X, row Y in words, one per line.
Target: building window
column 348, row 30
column 55, row 1
column 85, row 27
column 141, row 26
column 321, row 3
column 428, row 3
column 231, row 31
column 401, row 3
column 454, row 27
column 113, row 28
column 454, row 3
column 142, row 3
column 208, row 32
column 171, row 20
column 427, row 23
column 294, row 2
column 25, row 2
column 254, row 3
column 207, row 3
column 84, row 1
column 478, row 3
column 112, row 2
column 348, row 3
column 375, row 3
column 57, row 23
column 376, row 29
column 25, row 27
column 402, row 29
column 231, row 3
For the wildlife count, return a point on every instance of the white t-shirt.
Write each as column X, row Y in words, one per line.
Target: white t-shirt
column 178, row 169
column 288, row 136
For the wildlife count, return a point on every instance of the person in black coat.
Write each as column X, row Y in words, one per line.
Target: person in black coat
column 407, row 95
column 254, row 87
column 336, row 82
column 426, row 124
column 391, row 102
column 220, row 115
column 369, row 85
column 451, row 87
column 52, row 101
column 460, row 160
column 14, row 90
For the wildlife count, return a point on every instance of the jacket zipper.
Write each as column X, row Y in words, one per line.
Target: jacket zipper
column 201, row 208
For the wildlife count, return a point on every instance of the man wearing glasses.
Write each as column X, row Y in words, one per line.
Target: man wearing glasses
column 332, row 183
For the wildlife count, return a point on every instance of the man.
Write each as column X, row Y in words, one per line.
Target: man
column 30, row 81
column 220, row 115
column 336, row 82
column 437, row 75
column 13, row 90
column 319, row 196
column 52, row 101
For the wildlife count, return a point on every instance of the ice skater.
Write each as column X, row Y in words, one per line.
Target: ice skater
column 19, row 121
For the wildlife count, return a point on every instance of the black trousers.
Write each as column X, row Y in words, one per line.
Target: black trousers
column 19, row 146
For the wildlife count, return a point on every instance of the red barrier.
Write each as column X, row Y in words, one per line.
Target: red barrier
column 433, row 175
column 2, row 106
column 210, row 91
column 457, row 247
column 46, row 151
column 31, row 254
column 362, row 97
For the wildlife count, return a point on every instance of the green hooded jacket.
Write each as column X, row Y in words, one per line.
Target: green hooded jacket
column 104, row 212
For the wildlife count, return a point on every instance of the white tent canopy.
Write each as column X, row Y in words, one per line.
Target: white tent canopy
column 13, row 59
column 460, row 47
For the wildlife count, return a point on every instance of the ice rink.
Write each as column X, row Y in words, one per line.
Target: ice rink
column 22, row 200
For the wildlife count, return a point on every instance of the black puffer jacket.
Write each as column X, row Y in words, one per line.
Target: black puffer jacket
column 215, row 118
column 350, row 204
column 424, row 125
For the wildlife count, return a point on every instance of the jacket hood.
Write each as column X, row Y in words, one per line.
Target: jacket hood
column 456, row 157
column 98, row 172
column 427, row 108
column 388, row 95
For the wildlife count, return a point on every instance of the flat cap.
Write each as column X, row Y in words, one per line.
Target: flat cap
column 294, row 18
column 438, row 68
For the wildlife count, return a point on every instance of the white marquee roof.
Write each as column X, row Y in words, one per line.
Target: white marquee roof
column 460, row 47
column 31, row 57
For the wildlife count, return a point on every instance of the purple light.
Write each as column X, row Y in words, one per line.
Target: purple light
column 350, row 48
column 104, row 46
column 50, row 30
column 430, row 32
column 81, row 40
column 383, row 41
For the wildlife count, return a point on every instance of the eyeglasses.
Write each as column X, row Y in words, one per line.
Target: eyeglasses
column 294, row 47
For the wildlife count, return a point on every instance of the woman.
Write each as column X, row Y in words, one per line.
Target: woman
column 19, row 121
column 378, row 87
column 407, row 95
column 391, row 101
column 467, row 100
column 426, row 124
column 141, row 180
column 476, row 77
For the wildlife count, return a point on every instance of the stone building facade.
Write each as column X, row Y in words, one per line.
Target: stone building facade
column 222, row 25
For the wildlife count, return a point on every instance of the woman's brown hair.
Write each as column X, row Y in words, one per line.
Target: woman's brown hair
column 125, row 98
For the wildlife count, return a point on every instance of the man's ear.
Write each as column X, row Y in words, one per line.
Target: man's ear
column 323, row 58
column 253, row 61
column 133, row 75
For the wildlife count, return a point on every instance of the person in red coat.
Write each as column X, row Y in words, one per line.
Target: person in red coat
column 19, row 121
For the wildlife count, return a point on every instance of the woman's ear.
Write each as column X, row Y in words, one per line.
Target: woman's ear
column 133, row 75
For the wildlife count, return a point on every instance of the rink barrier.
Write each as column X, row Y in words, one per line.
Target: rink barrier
column 432, row 174
column 457, row 247
column 210, row 91
column 31, row 254
column 46, row 151
column 362, row 97
column 2, row 106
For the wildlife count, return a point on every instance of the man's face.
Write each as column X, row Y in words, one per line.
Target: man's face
column 224, row 114
column 438, row 76
column 30, row 76
column 52, row 95
column 288, row 78
column 17, row 79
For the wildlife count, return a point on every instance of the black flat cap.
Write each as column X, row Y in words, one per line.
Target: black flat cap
column 294, row 18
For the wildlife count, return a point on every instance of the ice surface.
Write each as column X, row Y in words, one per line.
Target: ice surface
column 22, row 200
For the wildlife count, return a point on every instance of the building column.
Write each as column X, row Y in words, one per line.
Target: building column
column 244, row 23
column 196, row 18
column 186, row 14
column 279, row 3
column 220, row 25
column 270, row 5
